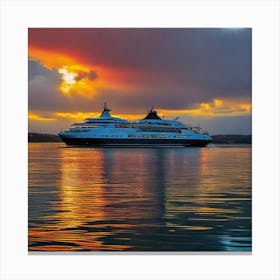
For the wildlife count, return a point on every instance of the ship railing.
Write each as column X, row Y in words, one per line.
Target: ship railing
column 195, row 128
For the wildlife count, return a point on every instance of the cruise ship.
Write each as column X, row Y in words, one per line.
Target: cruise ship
column 149, row 131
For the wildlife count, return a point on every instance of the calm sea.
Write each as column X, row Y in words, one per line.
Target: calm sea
column 139, row 199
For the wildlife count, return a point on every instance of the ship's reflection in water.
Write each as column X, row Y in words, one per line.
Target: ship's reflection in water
column 157, row 199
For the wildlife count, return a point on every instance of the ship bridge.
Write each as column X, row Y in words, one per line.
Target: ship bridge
column 105, row 117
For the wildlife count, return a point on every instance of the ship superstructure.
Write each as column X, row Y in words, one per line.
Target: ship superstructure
column 149, row 131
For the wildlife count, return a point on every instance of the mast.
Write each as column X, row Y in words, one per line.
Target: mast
column 106, row 107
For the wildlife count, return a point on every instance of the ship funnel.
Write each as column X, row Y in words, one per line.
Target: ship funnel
column 105, row 113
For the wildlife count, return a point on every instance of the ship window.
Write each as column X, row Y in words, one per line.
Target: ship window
column 78, row 130
column 92, row 126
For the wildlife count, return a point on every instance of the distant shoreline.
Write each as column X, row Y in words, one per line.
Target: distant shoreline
column 34, row 137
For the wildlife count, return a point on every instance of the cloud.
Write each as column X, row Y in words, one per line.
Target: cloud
column 220, row 108
column 37, row 117
column 43, row 88
column 212, row 62
column 92, row 75
column 189, row 71
column 45, row 95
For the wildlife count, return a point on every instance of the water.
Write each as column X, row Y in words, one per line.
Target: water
column 139, row 199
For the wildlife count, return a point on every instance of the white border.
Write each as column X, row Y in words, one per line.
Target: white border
column 262, row 16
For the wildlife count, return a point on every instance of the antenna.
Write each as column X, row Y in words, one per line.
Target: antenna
column 150, row 110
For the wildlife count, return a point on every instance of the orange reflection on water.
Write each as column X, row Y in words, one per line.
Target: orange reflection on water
column 122, row 199
column 79, row 202
column 95, row 189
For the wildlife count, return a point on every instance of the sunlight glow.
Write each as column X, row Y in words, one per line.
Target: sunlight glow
column 36, row 117
column 217, row 108
column 79, row 77
column 68, row 77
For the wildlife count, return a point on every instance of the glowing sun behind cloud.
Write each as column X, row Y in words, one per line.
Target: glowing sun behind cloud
column 78, row 79
column 68, row 79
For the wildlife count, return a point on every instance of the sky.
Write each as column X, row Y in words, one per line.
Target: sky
column 201, row 75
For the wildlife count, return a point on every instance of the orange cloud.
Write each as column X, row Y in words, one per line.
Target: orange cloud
column 219, row 108
column 36, row 117
column 80, row 116
column 80, row 78
column 77, row 116
column 51, row 60
column 216, row 108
